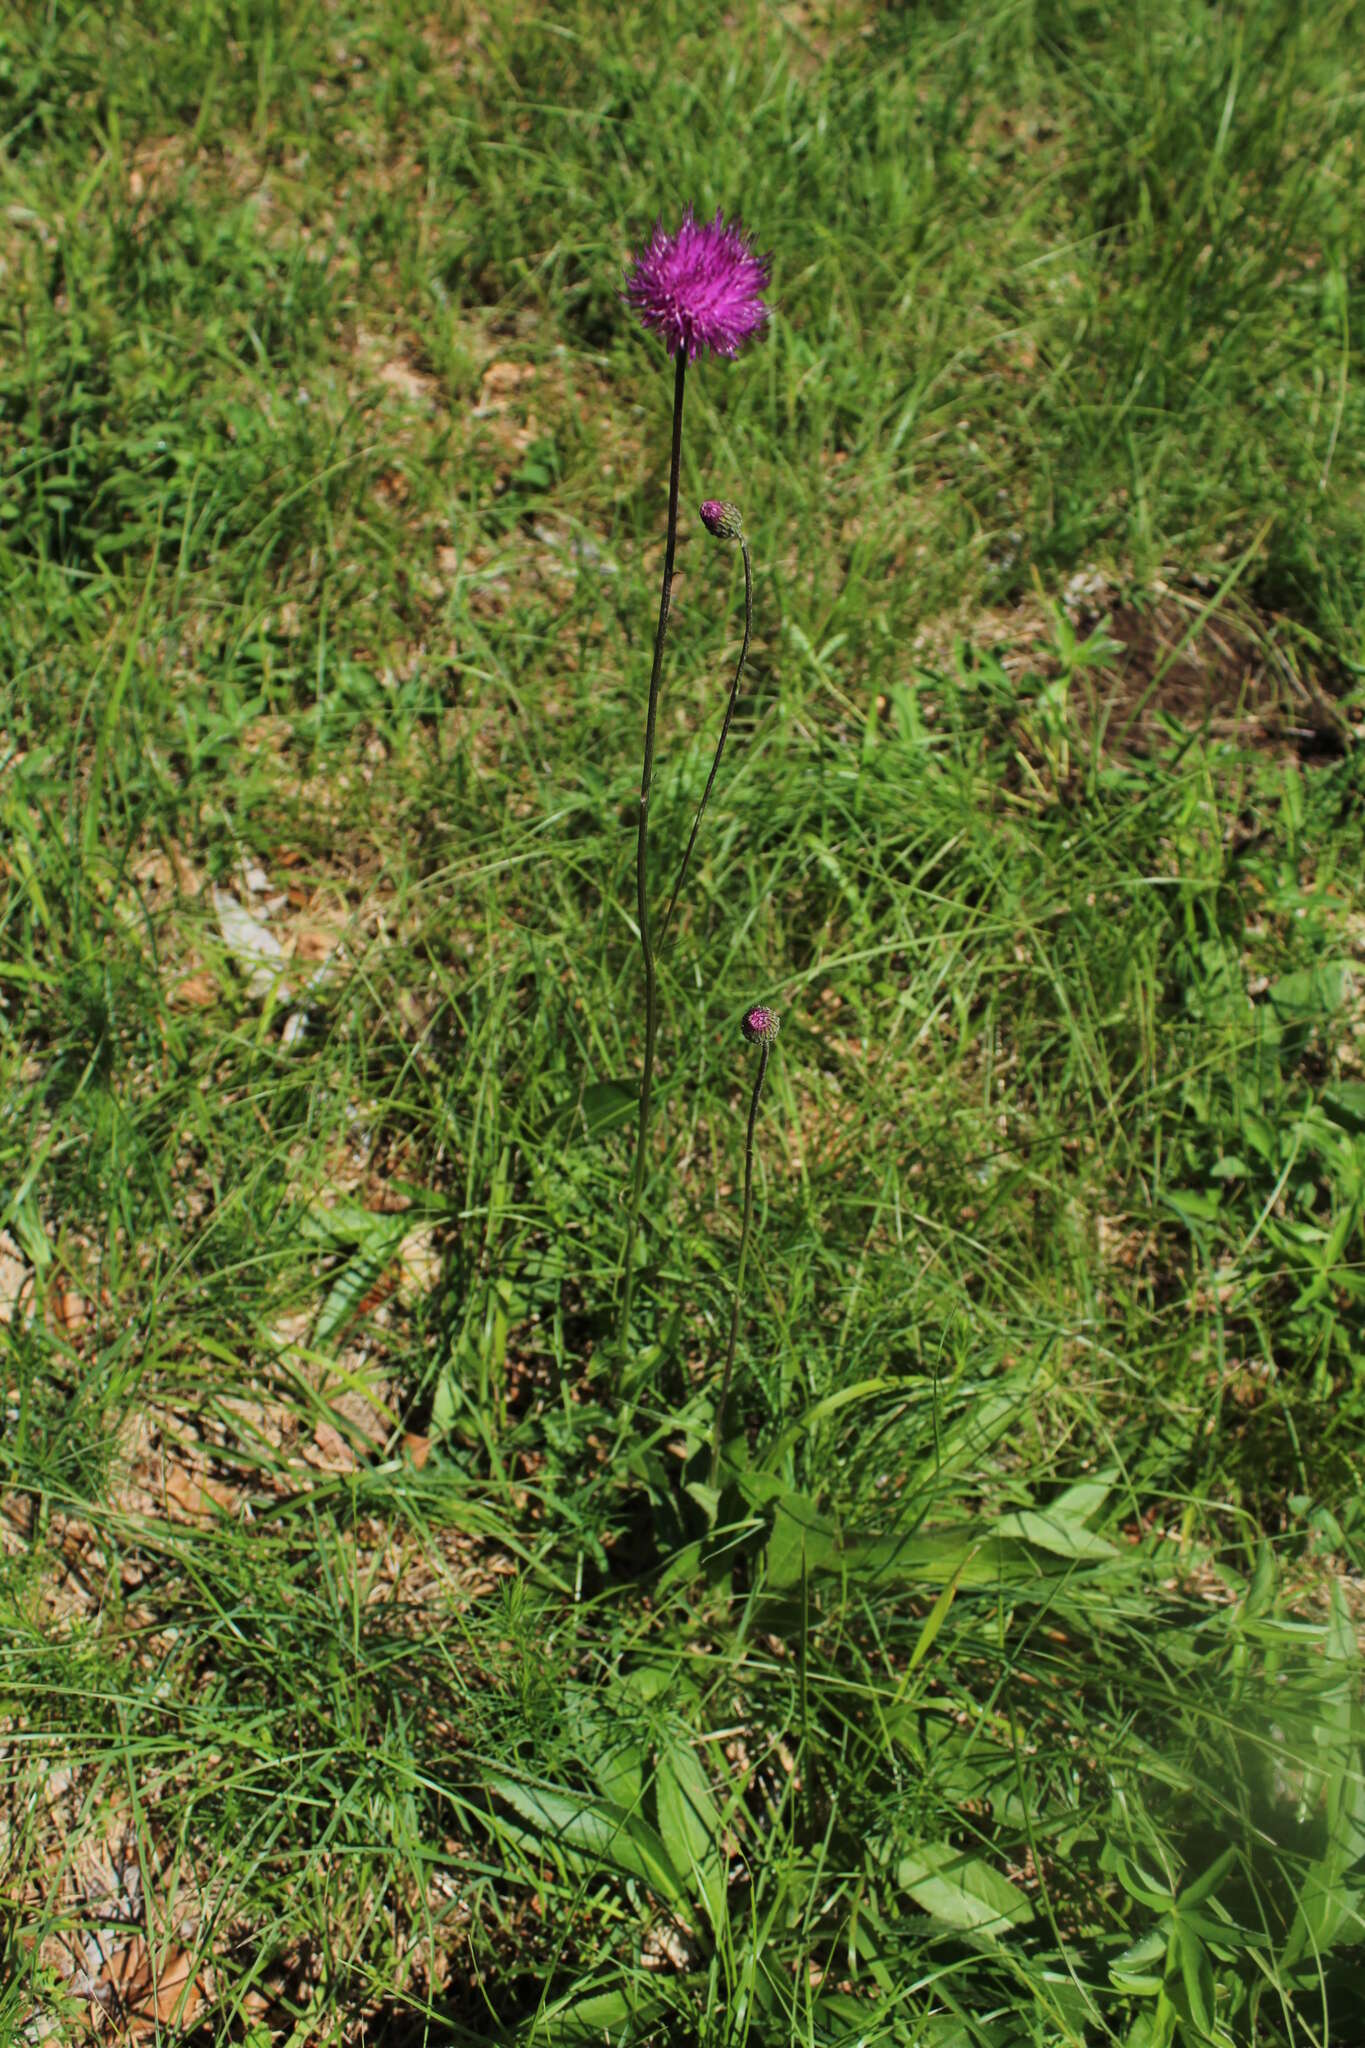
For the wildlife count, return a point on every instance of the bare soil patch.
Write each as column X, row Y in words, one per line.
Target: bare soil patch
column 1224, row 671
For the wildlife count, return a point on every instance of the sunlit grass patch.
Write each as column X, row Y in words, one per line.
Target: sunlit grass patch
column 367, row 1669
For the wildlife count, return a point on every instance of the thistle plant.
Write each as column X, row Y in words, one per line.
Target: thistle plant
column 760, row 1027
column 699, row 290
column 725, row 522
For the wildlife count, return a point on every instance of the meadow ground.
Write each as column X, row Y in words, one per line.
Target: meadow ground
column 370, row 1669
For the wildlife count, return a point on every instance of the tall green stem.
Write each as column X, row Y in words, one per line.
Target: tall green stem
column 720, row 743
column 718, row 1434
column 642, row 857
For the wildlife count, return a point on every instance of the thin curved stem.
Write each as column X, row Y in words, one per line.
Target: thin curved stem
column 642, row 856
column 718, row 1427
column 720, row 743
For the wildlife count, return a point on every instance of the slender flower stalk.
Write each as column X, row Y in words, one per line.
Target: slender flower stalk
column 699, row 289
column 642, row 852
column 760, row 1028
column 724, row 521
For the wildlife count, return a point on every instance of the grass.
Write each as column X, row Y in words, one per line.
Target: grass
column 367, row 1671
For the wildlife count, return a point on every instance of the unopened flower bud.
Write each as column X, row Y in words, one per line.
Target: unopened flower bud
column 760, row 1025
column 722, row 519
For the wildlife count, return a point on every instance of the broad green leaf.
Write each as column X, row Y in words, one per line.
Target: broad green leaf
column 1327, row 1908
column 607, row 1105
column 356, row 1279
column 969, row 1438
column 1192, row 1205
column 594, row 1832
column 654, row 1676
column 1331, row 1899
column 706, row 1497
column 1049, row 1532
column 972, row 1554
column 961, row 1890
column 802, row 1540
column 1260, row 1134
column 1139, row 1884
column 690, row 1825
column 1079, row 1502
column 1260, row 1591
column 596, row 2017
column 1141, row 1967
column 1155, row 2027
column 1345, row 1103
column 619, row 1770
column 1221, row 1932
column 346, row 1221
column 1313, row 993
column 607, row 1744
column 1205, row 1885
column 682, row 1568
column 1196, row 1976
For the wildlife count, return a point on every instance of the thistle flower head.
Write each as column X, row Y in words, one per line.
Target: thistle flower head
column 701, row 288
column 722, row 519
column 760, row 1025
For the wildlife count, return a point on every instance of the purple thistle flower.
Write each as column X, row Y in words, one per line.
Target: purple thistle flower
column 722, row 519
column 761, row 1025
column 701, row 288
